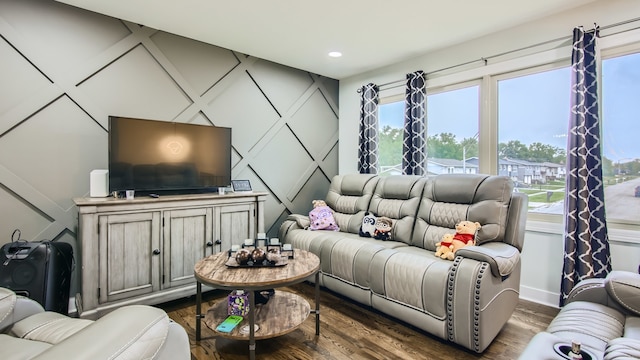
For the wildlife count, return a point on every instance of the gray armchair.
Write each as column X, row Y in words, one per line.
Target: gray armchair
column 603, row 315
column 130, row 332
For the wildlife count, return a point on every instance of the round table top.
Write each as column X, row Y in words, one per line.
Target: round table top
column 213, row 271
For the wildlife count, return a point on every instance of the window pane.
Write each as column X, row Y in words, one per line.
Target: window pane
column 452, row 131
column 620, row 149
column 533, row 115
column 390, row 123
column 452, row 144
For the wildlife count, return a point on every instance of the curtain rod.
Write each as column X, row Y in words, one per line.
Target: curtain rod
column 396, row 83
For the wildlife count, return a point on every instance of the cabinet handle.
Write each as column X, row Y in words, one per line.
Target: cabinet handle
column 156, row 252
column 209, row 243
column 218, row 242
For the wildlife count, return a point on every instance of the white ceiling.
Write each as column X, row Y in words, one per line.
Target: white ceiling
column 299, row 33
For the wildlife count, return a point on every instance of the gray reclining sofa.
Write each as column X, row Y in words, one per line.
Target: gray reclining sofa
column 467, row 300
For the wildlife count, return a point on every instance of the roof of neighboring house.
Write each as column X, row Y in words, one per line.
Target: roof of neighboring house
column 450, row 162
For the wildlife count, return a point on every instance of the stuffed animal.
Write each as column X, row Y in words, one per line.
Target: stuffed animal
column 321, row 217
column 318, row 203
column 383, row 228
column 464, row 236
column 368, row 227
column 444, row 248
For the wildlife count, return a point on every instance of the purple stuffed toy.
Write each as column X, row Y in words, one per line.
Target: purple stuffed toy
column 321, row 217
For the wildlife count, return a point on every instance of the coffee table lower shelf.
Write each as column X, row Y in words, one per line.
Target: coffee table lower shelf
column 283, row 313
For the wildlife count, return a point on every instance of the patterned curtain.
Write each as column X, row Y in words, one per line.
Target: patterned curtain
column 414, row 145
column 586, row 243
column 368, row 148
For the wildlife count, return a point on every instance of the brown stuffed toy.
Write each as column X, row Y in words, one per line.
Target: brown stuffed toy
column 464, row 236
column 444, row 248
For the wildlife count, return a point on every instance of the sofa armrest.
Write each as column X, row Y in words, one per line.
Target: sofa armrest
column 302, row 221
column 130, row 332
column 14, row 308
column 502, row 258
column 590, row 290
column 624, row 288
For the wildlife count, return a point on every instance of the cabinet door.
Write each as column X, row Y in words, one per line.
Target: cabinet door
column 234, row 224
column 129, row 255
column 188, row 237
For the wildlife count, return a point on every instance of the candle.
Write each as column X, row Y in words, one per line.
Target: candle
column 235, row 247
column 275, row 241
column 248, row 242
column 286, row 247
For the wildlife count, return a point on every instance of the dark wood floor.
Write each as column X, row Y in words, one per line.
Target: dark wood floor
column 351, row 331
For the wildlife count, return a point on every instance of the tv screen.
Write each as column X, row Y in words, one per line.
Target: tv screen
column 151, row 156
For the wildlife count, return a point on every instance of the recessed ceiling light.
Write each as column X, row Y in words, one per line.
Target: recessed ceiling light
column 335, row 54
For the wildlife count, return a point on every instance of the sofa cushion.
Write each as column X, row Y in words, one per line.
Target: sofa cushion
column 589, row 323
column 622, row 349
column 397, row 197
column 48, row 327
column 413, row 277
column 344, row 256
column 632, row 328
column 20, row 349
column 450, row 198
column 351, row 258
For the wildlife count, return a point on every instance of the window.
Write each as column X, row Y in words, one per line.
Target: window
column 524, row 128
column 452, row 130
column 533, row 115
column 620, row 149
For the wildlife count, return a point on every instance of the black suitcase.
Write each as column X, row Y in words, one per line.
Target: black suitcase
column 39, row 270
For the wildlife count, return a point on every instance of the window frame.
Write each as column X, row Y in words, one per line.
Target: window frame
column 536, row 60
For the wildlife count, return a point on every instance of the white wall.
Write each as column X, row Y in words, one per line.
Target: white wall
column 542, row 255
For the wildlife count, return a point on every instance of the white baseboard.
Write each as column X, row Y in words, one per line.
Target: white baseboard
column 540, row 296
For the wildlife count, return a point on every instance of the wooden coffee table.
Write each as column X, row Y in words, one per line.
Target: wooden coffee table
column 284, row 311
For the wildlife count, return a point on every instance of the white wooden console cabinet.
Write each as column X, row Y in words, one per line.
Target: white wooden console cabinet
column 143, row 251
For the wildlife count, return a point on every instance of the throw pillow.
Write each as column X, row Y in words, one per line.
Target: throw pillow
column 321, row 218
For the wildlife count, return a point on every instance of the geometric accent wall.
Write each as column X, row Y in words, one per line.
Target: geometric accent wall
column 65, row 70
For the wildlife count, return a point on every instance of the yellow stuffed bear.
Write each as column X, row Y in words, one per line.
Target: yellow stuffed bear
column 464, row 236
column 444, row 248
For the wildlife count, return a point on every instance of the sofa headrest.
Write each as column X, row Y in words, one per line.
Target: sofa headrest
column 471, row 188
column 348, row 197
column 352, row 184
column 400, row 187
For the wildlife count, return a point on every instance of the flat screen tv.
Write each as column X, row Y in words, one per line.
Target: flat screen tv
column 161, row 157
